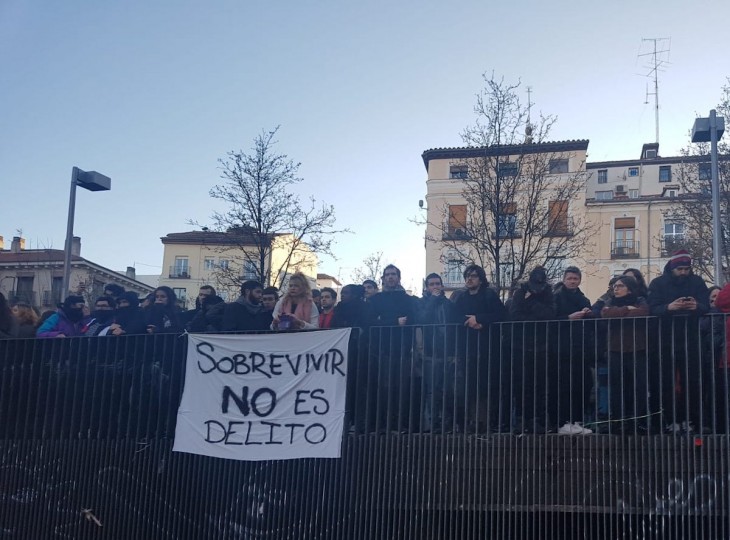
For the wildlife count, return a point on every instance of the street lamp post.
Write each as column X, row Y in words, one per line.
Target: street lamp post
column 711, row 130
column 93, row 181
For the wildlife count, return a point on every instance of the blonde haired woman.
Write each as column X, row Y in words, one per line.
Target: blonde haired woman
column 296, row 310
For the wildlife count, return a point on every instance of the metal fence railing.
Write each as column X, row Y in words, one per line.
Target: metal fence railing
column 450, row 433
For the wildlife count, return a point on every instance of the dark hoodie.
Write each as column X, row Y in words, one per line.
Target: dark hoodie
column 666, row 288
column 539, row 305
column 242, row 316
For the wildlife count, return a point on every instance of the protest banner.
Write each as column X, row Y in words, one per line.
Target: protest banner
column 264, row 396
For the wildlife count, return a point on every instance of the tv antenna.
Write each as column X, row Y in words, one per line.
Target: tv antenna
column 658, row 57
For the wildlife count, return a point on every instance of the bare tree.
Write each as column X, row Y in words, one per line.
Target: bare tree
column 692, row 210
column 372, row 268
column 517, row 189
column 264, row 215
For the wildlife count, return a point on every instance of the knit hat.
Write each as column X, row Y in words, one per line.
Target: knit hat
column 538, row 280
column 130, row 297
column 680, row 258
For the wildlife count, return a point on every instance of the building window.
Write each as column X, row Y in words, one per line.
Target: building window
column 459, row 171
column 456, row 225
column 506, row 169
column 671, row 193
column 223, row 264
column 665, row 173
column 250, row 272
column 558, row 166
column 604, row 195
column 507, row 221
column 557, row 218
column 705, row 171
column 624, row 235
column 209, row 263
column 180, row 269
column 633, row 194
column 182, row 295
column 673, row 237
column 633, row 171
column 603, row 176
column 454, row 272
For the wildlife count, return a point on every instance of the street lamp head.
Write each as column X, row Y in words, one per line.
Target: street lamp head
column 91, row 180
column 701, row 129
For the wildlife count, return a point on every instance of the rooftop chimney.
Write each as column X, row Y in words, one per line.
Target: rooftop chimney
column 131, row 272
column 76, row 246
column 18, row 244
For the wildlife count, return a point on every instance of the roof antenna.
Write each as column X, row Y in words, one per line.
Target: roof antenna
column 655, row 65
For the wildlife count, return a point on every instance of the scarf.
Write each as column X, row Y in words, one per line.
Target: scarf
column 628, row 300
column 303, row 310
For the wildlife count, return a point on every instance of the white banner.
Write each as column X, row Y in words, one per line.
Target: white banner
column 265, row 396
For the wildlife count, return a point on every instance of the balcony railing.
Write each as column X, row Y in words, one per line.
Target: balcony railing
column 51, row 298
column 26, row 297
column 448, row 434
column 625, row 249
column 449, row 232
column 179, row 272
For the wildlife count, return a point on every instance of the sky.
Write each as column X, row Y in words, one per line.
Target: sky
column 153, row 93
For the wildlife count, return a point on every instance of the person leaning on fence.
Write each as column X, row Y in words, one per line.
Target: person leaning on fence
column 27, row 319
column 435, row 312
column 390, row 346
column 68, row 321
column 527, row 349
column 163, row 315
column 296, row 310
column 628, row 362
column 247, row 313
column 680, row 297
column 129, row 319
column 479, row 385
column 102, row 317
column 722, row 361
column 569, row 398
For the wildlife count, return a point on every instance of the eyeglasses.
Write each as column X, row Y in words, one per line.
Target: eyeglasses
column 472, row 275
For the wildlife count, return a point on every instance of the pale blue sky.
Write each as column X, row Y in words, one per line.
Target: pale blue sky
column 152, row 93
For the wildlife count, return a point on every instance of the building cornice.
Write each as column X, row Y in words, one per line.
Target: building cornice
column 503, row 150
column 674, row 160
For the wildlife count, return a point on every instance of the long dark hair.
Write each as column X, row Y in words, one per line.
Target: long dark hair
column 6, row 316
column 640, row 281
column 171, row 296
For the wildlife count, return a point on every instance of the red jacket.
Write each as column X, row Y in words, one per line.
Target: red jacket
column 723, row 304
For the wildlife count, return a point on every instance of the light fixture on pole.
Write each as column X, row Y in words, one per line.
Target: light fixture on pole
column 93, row 181
column 711, row 130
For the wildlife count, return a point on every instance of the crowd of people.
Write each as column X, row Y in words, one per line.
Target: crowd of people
column 537, row 374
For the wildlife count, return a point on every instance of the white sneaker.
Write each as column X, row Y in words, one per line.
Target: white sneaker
column 674, row 428
column 574, row 428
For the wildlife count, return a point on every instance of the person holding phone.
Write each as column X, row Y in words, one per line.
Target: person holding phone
column 296, row 310
column 679, row 298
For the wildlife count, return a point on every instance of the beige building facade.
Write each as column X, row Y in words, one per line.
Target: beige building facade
column 196, row 258
column 450, row 218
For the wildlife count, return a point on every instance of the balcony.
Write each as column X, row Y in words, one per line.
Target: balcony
column 179, row 272
column 26, row 297
column 560, row 228
column 450, row 232
column 625, row 249
column 51, row 298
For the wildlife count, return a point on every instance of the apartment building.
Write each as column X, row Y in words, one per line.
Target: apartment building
column 196, row 258
column 453, row 222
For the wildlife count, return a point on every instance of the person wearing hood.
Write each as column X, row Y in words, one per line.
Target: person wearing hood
column 129, row 318
column 532, row 303
column 209, row 317
column 628, row 362
column 246, row 313
column 68, row 321
column 102, row 317
column 679, row 298
column 575, row 356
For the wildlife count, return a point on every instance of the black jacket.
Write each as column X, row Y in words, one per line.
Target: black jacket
column 537, row 307
column 242, row 316
column 666, row 288
column 486, row 306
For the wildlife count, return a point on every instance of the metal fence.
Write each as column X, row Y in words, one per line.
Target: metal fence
column 450, row 433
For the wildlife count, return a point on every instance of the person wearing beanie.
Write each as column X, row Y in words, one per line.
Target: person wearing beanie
column 527, row 350
column 679, row 298
column 68, row 321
